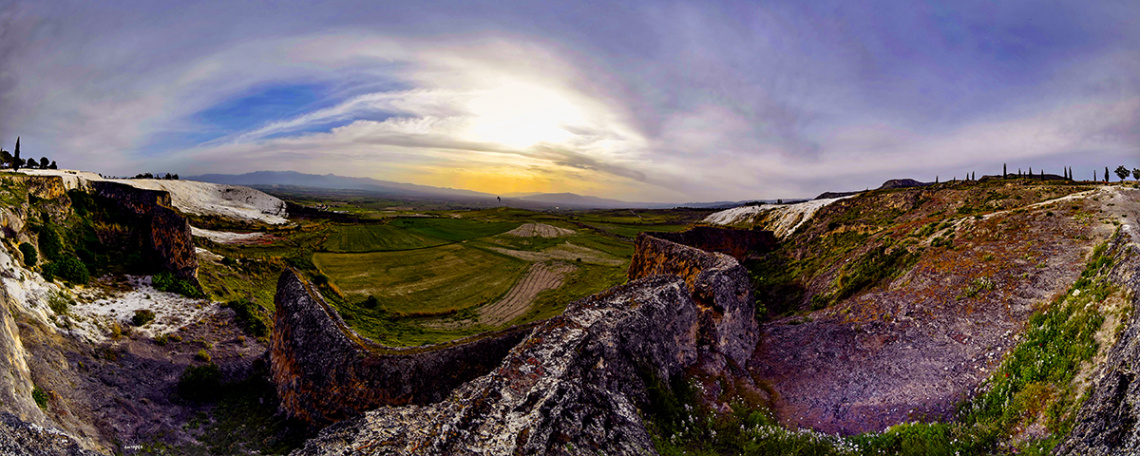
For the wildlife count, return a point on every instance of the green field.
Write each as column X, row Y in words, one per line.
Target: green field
column 454, row 229
column 376, row 238
column 631, row 230
column 432, row 266
column 427, row 281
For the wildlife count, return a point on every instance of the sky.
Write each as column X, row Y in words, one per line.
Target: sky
column 641, row 101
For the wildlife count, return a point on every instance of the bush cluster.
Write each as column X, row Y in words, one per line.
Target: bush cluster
column 29, row 252
column 59, row 303
column 200, row 383
column 68, row 268
column 41, row 397
column 165, row 281
column 142, row 317
column 248, row 314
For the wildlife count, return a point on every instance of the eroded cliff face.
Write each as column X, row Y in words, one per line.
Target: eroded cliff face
column 168, row 237
column 719, row 285
column 325, row 373
column 577, row 384
column 18, row 437
column 739, row 244
column 15, row 376
column 1106, row 422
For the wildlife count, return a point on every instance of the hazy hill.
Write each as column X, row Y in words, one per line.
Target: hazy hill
column 332, row 181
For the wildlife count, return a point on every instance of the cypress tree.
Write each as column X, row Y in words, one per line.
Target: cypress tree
column 15, row 161
column 1004, row 174
column 1106, row 176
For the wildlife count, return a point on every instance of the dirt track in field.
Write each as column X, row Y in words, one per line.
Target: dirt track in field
column 540, row 277
column 565, row 251
column 539, row 230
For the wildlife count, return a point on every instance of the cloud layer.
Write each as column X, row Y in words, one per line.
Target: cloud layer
column 640, row 101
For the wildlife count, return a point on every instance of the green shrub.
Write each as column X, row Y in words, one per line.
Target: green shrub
column 248, row 314
column 41, row 397
column 976, row 287
column 871, row 269
column 200, row 383
column 59, row 303
column 68, row 268
column 29, row 252
column 371, row 302
column 320, row 280
column 50, row 243
column 165, row 281
column 142, row 317
column 203, row 356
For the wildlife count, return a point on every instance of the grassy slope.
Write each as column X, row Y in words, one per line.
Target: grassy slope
column 375, row 238
column 435, row 280
column 1036, row 387
column 430, row 268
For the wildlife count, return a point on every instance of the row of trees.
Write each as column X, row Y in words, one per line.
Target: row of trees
column 166, row 176
column 1121, row 171
column 14, row 161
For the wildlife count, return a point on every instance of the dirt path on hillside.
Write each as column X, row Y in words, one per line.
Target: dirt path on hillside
column 540, row 277
column 539, row 230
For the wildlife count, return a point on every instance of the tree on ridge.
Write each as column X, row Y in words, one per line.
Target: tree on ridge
column 1122, row 172
column 16, row 161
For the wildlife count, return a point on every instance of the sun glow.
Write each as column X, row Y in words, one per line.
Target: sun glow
column 520, row 115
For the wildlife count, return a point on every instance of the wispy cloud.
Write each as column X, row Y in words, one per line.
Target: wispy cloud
column 677, row 101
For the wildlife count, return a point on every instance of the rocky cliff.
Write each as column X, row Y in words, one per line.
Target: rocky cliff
column 1106, row 422
column 21, row 438
column 719, row 285
column 168, row 234
column 739, row 244
column 16, row 378
column 325, row 372
column 578, row 383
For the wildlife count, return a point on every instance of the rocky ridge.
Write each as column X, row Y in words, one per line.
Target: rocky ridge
column 1106, row 422
column 578, row 382
column 325, row 372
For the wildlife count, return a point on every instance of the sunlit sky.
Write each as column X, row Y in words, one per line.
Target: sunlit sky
column 641, row 101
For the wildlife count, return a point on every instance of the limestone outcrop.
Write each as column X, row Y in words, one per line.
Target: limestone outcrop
column 325, row 372
column 18, row 437
column 1106, row 422
column 15, row 376
column 719, row 285
column 577, row 384
column 168, row 234
column 739, row 244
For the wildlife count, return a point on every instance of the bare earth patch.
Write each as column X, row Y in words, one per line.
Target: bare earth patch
column 227, row 237
column 539, row 230
column 910, row 350
column 565, row 251
column 540, row 277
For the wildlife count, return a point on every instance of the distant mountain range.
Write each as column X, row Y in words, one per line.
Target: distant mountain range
column 332, row 181
column 400, row 190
